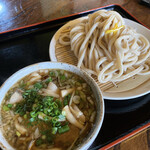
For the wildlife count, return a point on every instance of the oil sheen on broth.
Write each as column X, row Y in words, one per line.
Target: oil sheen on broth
column 48, row 109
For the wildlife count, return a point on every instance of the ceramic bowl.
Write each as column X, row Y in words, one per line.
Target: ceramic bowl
column 56, row 65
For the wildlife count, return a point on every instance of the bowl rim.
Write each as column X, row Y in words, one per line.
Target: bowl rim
column 37, row 66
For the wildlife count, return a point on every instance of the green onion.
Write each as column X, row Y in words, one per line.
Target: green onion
column 59, row 103
column 57, row 112
column 38, row 85
column 5, row 108
column 43, row 137
column 32, row 114
column 66, row 100
column 48, row 100
column 62, row 78
column 46, row 118
column 48, row 80
column 63, row 129
column 32, row 119
column 49, row 109
column 57, row 124
column 51, row 114
column 54, row 104
column 25, row 116
column 54, row 130
column 63, row 113
column 20, row 108
column 54, row 120
column 52, row 74
column 26, row 93
column 9, row 105
column 61, row 117
column 18, row 133
column 46, row 111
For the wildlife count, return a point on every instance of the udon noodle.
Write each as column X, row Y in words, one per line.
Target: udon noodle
column 108, row 48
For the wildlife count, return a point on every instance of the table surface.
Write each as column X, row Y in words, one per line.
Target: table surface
column 139, row 141
column 18, row 13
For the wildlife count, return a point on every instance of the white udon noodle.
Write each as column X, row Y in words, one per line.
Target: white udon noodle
column 114, row 56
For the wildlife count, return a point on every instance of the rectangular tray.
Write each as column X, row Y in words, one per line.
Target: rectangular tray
column 28, row 45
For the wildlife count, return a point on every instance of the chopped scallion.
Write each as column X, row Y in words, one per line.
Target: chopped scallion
column 66, row 100
column 57, row 124
column 25, row 116
column 18, row 133
column 6, row 108
column 54, row 104
column 54, row 130
column 32, row 119
column 38, row 85
column 43, row 137
column 52, row 74
column 63, row 113
column 59, row 103
column 54, row 120
column 9, row 105
column 46, row 118
column 61, row 117
column 48, row 80
column 62, row 78
column 56, row 112
column 63, row 129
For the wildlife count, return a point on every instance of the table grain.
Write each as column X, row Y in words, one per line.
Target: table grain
column 19, row 13
column 139, row 141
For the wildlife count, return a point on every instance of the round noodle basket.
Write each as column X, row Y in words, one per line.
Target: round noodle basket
column 133, row 87
column 56, row 65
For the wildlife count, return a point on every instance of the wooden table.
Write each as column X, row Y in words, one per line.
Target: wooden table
column 18, row 13
column 138, row 139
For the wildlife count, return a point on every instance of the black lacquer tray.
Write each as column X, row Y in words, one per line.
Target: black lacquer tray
column 28, row 45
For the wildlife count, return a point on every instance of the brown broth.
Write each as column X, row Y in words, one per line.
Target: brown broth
column 43, row 113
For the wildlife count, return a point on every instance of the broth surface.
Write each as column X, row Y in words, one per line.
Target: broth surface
column 48, row 109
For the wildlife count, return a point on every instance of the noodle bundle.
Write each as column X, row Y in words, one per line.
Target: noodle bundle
column 106, row 47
